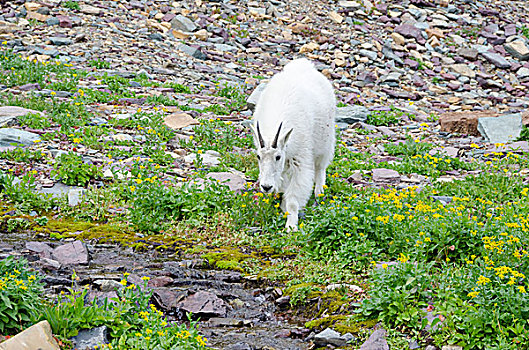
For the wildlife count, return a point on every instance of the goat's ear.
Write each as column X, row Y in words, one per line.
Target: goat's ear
column 284, row 139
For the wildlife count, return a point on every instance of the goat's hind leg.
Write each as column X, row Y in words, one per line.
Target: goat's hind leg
column 319, row 174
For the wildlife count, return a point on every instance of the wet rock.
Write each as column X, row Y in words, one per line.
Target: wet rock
column 91, row 339
column 518, row 49
column 463, row 122
column 501, row 129
column 38, row 336
column 11, row 113
column 351, row 114
column 71, row 253
column 386, row 175
column 329, row 336
column 376, row 341
column 17, row 137
column 254, row 96
column 204, row 304
column 235, row 182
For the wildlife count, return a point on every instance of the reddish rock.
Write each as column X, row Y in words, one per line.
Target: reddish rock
column 463, row 122
column 204, row 304
column 525, row 118
column 64, row 21
column 71, row 253
column 160, row 281
column 386, row 175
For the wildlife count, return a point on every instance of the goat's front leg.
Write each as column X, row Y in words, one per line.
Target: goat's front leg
column 297, row 195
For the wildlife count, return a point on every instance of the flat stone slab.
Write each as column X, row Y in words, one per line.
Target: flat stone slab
column 501, row 129
column 233, row 181
column 204, row 303
column 351, row 114
column 38, row 336
column 10, row 113
column 386, row 175
column 17, row 137
column 71, row 253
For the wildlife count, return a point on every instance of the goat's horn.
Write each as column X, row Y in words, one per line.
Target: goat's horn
column 261, row 141
column 274, row 144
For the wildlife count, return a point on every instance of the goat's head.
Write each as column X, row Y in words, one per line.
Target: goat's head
column 271, row 158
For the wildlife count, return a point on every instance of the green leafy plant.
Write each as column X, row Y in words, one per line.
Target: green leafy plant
column 72, row 5
column 20, row 295
column 72, row 170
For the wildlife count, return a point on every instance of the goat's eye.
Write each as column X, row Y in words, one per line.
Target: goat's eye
column 278, row 158
column 258, row 157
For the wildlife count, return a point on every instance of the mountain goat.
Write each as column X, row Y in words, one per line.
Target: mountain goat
column 294, row 133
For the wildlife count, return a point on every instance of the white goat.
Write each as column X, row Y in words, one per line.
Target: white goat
column 293, row 126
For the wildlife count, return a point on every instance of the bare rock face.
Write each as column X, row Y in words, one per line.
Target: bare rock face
column 376, row 341
column 463, row 122
column 38, row 336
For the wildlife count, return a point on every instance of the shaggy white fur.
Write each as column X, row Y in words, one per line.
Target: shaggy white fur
column 294, row 134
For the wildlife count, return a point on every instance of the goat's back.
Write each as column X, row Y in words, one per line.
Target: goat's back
column 303, row 99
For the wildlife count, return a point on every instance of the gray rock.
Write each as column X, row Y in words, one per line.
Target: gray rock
column 376, row 341
column 225, row 48
column 372, row 55
column 42, row 249
column 452, row 347
column 60, row 41
column 203, row 304
column 430, row 347
column 239, row 346
column 209, row 158
column 443, row 199
column 17, row 137
column 351, row 114
column 329, row 336
column 58, row 189
column 522, row 73
column 52, row 21
column 49, row 264
column 75, row 195
column 501, row 129
column 496, row 59
column 518, row 49
column 409, row 31
column 183, row 23
column 386, row 175
column 414, row 345
column 11, row 113
column 108, row 285
column 468, row 53
column 38, row 336
column 90, row 338
column 45, row 51
column 254, row 97
column 71, row 253
column 192, row 51
column 235, row 182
